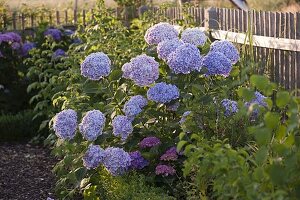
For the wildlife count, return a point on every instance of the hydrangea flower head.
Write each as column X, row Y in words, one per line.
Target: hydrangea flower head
column 230, row 107
column 160, row 32
column 194, row 36
column 185, row 59
column 56, row 34
column 227, row 48
column 163, row 93
column 184, row 116
column 134, row 106
column 122, row 126
column 143, row 70
column 10, row 37
column 166, row 47
column 164, row 170
column 65, row 123
column 116, row 161
column 92, row 125
column 27, row 46
column 58, row 53
column 137, row 160
column 149, row 142
column 217, row 64
column 170, row 154
column 258, row 100
column 93, row 157
column 95, row 66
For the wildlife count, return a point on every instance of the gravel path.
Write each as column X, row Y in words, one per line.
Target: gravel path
column 25, row 172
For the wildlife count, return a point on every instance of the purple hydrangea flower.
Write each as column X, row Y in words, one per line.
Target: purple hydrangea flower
column 185, row 59
column 122, row 126
column 149, row 142
column 92, row 125
column 58, row 53
column 48, row 198
column 54, row 33
column 227, row 48
column 217, row 64
column 27, row 46
column 65, row 123
column 134, row 106
column 170, row 154
column 163, row 93
column 166, row 47
column 116, row 161
column 93, row 157
column 194, row 36
column 184, row 116
column 230, row 107
column 164, row 170
column 137, row 160
column 143, row 70
column 1, row 55
column 160, row 32
column 15, row 46
column 10, row 37
column 95, row 66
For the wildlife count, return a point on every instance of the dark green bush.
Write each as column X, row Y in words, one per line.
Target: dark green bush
column 18, row 127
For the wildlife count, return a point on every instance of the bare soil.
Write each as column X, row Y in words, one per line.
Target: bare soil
column 25, row 172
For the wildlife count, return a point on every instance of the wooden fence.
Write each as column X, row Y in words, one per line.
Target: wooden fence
column 274, row 35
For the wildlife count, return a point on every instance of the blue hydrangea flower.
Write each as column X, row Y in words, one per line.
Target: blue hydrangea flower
column 93, row 157
column 116, row 161
column 92, row 125
column 27, row 46
column 122, row 126
column 166, row 47
column 134, row 106
column 194, row 36
column 217, row 63
column 65, row 124
column 95, row 66
column 227, row 48
column 230, row 107
column 258, row 100
column 54, row 33
column 163, row 93
column 185, row 59
column 160, row 32
column 10, row 37
column 137, row 160
column 184, row 116
column 143, row 70
column 58, row 53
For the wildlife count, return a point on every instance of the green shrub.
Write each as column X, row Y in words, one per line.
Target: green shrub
column 18, row 127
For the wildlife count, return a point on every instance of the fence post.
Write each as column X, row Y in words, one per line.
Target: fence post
column 211, row 18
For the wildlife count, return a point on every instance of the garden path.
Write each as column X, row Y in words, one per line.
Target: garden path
column 25, row 172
